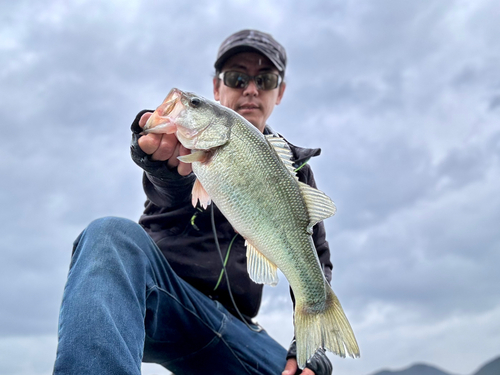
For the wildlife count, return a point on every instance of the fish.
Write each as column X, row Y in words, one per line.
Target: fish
column 251, row 178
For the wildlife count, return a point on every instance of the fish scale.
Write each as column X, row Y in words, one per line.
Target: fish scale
column 250, row 178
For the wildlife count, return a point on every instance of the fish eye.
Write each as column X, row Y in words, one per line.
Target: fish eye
column 195, row 102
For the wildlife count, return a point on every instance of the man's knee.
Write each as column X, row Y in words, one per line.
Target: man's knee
column 110, row 227
column 113, row 224
column 109, row 233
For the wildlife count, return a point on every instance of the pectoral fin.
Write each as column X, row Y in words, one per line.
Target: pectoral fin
column 194, row 156
column 199, row 193
column 260, row 269
column 319, row 205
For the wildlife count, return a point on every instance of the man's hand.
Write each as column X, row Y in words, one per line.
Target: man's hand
column 164, row 147
column 291, row 368
column 318, row 364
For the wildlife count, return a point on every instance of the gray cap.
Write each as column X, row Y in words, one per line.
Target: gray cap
column 252, row 40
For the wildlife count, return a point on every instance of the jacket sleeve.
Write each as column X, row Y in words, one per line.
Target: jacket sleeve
column 163, row 186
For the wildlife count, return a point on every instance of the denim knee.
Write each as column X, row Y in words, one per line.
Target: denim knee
column 111, row 234
column 110, row 225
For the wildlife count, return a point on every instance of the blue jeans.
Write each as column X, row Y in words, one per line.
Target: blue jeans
column 123, row 304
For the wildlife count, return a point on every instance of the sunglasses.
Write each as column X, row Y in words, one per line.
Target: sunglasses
column 237, row 80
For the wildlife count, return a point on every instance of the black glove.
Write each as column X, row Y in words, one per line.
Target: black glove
column 319, row 363
column 156, row 168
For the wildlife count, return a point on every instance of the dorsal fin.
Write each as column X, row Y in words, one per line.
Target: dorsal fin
column 260, row 269
column 319, row 205
column 281, row 147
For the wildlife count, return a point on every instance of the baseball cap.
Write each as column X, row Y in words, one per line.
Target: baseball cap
column 249, row 40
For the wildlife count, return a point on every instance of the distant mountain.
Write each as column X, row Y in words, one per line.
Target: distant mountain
column 490, row 368
column 418, row 369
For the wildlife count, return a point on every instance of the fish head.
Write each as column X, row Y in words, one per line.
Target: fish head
column 197, row 122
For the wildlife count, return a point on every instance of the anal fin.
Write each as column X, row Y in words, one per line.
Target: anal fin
column 260, row 269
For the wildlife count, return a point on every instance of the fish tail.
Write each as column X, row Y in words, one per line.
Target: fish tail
column 324, row 326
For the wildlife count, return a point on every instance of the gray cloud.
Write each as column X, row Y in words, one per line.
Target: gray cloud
column 402, row 97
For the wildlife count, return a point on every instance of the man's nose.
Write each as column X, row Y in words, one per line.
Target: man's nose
column 251, row 89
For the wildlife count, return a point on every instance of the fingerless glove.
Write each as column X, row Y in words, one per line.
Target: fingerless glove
column 319, row 363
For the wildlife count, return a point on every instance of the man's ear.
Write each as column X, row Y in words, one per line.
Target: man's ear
column 216, row 88
column 281, row 92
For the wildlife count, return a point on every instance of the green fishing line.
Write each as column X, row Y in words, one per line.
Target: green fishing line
column 225, row 261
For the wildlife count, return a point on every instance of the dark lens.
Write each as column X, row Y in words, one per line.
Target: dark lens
column 236, row 80
column 260, row 82
column 267, row 81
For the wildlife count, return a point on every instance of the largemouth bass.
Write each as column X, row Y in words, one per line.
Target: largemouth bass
column 250, row 177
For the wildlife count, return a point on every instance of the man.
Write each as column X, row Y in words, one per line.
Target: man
column 158, row 292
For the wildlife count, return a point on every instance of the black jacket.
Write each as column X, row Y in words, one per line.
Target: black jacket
column 184, row 233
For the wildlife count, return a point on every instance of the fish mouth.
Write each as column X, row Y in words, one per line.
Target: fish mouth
column 172, row 98
column 168, row 105
column 163, row 118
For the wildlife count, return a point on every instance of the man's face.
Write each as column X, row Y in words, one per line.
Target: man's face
column 253, row 104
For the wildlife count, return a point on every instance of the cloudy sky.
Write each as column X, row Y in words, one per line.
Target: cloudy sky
column 403, row 97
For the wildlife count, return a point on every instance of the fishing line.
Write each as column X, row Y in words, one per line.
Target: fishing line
column 301, row 166
column 225, row 261
column 225, row 272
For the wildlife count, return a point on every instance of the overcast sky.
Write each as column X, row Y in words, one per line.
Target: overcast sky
column 403, row 97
